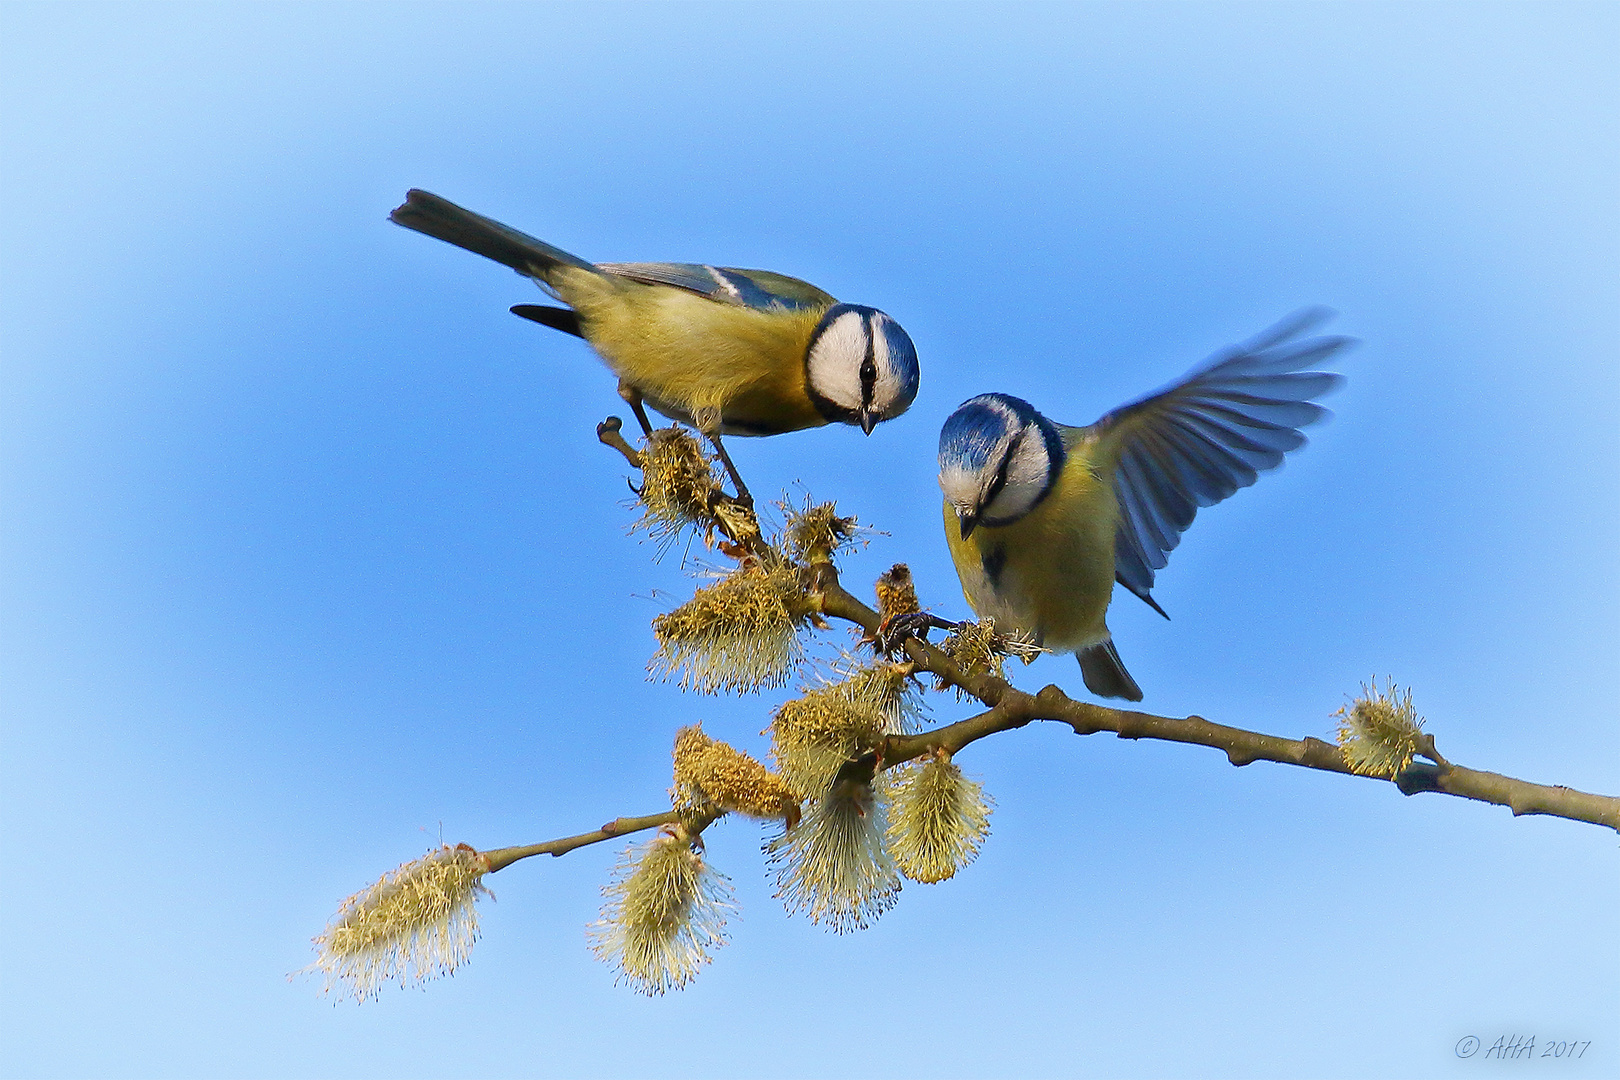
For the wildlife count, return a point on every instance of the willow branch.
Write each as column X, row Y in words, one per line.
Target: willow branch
column 609, row 432
column 1011, row 708
column 501, row 858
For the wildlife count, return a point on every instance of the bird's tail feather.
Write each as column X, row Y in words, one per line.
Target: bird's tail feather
column 564, row 319
column 444, row 220
column 1105, row 673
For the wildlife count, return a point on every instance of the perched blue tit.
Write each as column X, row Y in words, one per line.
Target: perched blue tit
column 736, row 352
column 1042, row 518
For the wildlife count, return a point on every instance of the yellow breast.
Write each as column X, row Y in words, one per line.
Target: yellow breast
column 1050, row 574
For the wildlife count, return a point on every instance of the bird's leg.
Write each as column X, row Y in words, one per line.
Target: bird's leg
column 736, row 478
column 707, row 421
column 632, row 397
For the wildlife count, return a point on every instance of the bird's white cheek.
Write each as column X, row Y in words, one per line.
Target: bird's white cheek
column 886, row 391
column 835, row 361
column 1027, row 474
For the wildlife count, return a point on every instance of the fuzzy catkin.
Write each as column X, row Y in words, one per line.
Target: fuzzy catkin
column 1379, row 732
column 938, row 819
column 896, row 593
column 816, row 532
column 833, row 866
column 416, row 923
column 813, row 735
column 710, row 773
column 737, row 635
column 887, row 688
column 676, row 481
column 665, row 910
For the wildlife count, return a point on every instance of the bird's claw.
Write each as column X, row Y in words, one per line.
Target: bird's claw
column 894, row 631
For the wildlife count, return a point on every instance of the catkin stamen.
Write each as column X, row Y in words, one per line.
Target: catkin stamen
column 665, row 910
column 737, row 635
column 416, row 923
column 1380, row 732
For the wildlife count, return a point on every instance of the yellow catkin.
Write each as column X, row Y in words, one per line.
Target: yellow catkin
column 665, row 909
column 816, row 532
column 677, row 479
column 710, row 773
column 972, row 646
column 737, row 635
column 813, row 735
column 833, row 867
column 979, row 650
column 416, row 923
column 938, row 818
column 896, row 594
column 1379, row 731
column 886, row 687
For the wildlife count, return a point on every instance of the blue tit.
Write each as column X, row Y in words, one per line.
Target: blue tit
column 736, row 352
column 1042, row 519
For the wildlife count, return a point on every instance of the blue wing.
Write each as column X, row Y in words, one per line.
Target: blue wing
column 726, row 284
column 1196, row 442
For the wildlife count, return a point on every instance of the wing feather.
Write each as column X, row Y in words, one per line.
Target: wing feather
column 726, row 284
column 1199, row 440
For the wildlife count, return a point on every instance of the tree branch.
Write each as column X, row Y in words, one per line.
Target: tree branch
column 1013, row 708
column 501, row 858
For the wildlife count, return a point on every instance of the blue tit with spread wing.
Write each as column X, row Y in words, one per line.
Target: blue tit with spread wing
column 1042, row 519
column 735, row 352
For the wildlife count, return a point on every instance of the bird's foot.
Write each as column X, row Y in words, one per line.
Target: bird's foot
column 894, row 631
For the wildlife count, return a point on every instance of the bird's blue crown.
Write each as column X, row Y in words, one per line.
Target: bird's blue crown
column 980, row 426
column 998, row 458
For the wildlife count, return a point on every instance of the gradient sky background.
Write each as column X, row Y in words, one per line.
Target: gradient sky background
column 310, row 550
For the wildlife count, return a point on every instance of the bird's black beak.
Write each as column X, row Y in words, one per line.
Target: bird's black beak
column 869, row 420
column 967, row 521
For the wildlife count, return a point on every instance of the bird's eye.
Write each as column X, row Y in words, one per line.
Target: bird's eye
column 868, row 375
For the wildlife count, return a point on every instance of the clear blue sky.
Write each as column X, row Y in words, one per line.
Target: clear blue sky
column 309, row 549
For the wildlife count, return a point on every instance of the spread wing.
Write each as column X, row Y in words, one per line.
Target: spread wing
column 727, row 284
column 1199, row 440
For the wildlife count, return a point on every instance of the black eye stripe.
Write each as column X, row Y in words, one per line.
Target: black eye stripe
column 869, row 367
column 833, row 369
column 1001, row 473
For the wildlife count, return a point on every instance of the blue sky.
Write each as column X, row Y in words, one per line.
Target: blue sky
column 309, row 551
